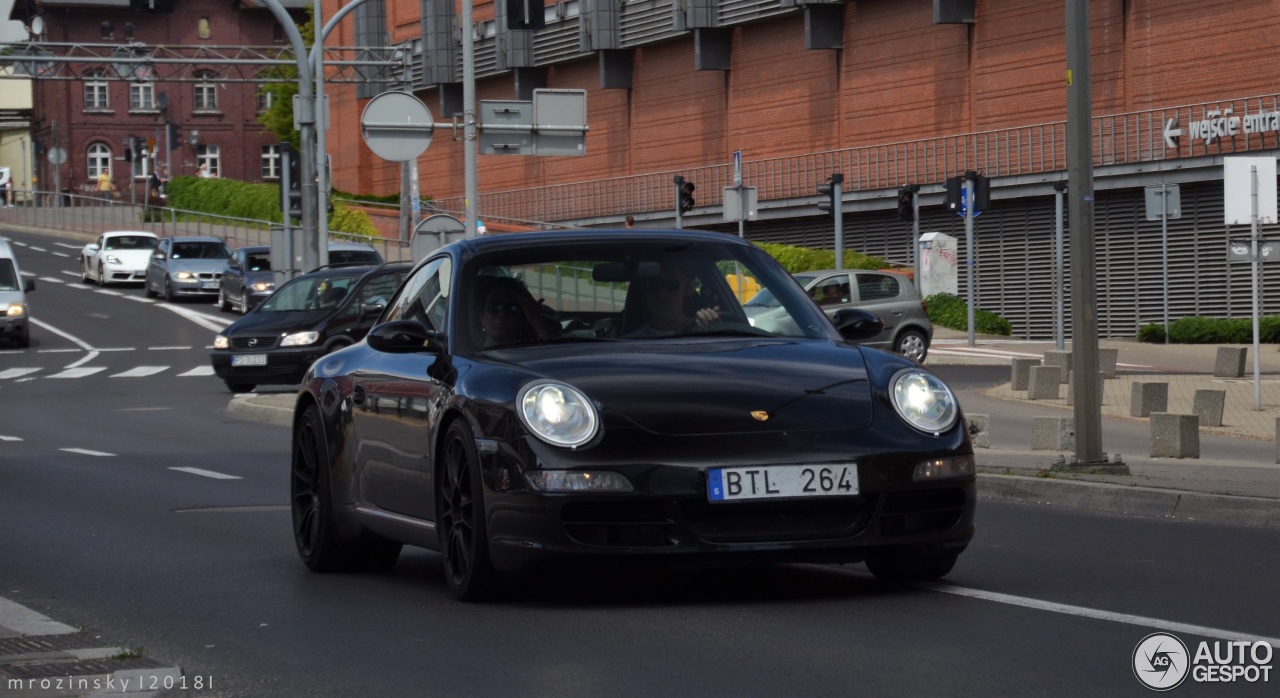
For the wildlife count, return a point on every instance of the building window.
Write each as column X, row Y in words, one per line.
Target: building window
column 211, row 156
column 95, row 90
column 141, row 167
column 265, row 98
column 206, row 92
column 271, row 162
column 142, row 95
column 99, row 158
column 202, row 28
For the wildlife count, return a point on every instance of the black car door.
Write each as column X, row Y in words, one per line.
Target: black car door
column 233, row 277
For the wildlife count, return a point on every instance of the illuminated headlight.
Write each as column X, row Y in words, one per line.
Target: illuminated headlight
column 557, row 414
column 263, row 286
column 184, row 275
column 566, row 481
column 301, row 339
column 924, row 401
column 15, row 310
column 112, row 259
column 221, row 342
column 944, row 468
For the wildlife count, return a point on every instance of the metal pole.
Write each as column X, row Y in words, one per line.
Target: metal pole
column 22, row 142
column 1059, row 289
column 837, row 210
column 322, row 175
column 469, row 128
column 679, row 182
column 1084, row 304
column 57, row 172
column 915, row 239
column 971, row 180
column 1164, row 252
column 1254, row 263
column 742, row 214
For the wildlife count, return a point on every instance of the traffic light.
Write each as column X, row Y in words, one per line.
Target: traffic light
column 686, row 197
column 981, row 194
column 906, row 205
column 955, row 194
column 526, row 14
column 173, row 134
column 128, row 150
column 830, row 193
column 291, row 195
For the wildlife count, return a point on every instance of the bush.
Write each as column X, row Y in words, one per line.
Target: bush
column 951, row 311
column 1203, row 330
column 798, row 259
column 237, row 199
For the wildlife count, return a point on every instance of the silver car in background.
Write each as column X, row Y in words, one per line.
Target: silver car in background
column 892, row 296
column 186, row 266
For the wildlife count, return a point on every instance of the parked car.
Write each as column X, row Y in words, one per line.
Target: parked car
column 891, row 296
column 248, row 277
column 117, row 256
column 310, row 316
column 186, row 266
column 525, row 399
column 13, row 299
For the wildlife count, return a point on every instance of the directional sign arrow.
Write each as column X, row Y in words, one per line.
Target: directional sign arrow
column 1171, row 133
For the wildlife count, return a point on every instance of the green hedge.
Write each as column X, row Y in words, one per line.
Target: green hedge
column 798, row 259
column 950, row 310
column 1204, row 330
column 232, row 197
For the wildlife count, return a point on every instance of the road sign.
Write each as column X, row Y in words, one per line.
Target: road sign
column 1241, row 250
column 737, row 169
column 396, row 126
column 964, row 203
column 559, row 122
column 506, row 127
column 57, row 156
column 1163, row 199
column 1238, row 194
column 433, row 233
column 740, row 199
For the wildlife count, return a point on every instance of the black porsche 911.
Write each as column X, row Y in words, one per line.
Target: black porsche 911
column 534, row 397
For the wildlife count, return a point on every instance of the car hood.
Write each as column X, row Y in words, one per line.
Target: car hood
column 197, row 266
column 257, row 277
column 260, row 324
column 7, row 297
column 709, row 387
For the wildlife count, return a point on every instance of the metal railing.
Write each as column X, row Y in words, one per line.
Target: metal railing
column 1119, row 139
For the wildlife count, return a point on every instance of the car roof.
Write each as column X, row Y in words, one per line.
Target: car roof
column 197, row 238
column 491, row 243
column 812, row 272
column 354, row 269
column 143, row 233
column 350, row 246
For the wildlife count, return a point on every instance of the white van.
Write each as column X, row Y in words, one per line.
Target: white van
column 13, row 298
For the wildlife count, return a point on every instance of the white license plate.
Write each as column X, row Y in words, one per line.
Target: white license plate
column 209, row 285
column 249, row 360
column 781, row 481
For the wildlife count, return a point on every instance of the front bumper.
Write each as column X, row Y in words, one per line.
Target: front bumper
column 14, row 327
column 283, row 366
column 121, row 274
column 204, row 285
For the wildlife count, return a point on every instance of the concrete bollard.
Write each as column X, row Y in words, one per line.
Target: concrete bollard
column 1021, row 374
column 980, row 430
column 1230, row 362
column 1107, row 359
column 1053, row 433
column 1147, row 398
column 1044, row 383
column 1208, row 405
column 1175, row 435
column 1060, row 359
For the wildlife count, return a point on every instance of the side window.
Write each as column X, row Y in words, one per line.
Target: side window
column 424, row 297
column 877, row 287
column 378, row 290
column 833, row 290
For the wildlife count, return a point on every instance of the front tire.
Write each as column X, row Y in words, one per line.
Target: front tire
column 84, row 272
column 146, row 289
column 320, row 545
column 239, row 387
column 911, row 568
column 168, row 290
column 223, row 305
column 102, row 279
column 912, row 345
column 464, row 541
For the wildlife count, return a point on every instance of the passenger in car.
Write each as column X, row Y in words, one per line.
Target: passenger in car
column 509, row 314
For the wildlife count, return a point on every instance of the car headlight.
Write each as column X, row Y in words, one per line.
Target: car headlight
column 112, row 259
column 184, row 275
column 924, row 401
column 557, row 413
column 221, row 342
column 299, row 339
column 15, row 310
column 261, row 286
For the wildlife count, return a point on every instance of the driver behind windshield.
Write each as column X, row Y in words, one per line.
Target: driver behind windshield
column 672, row 302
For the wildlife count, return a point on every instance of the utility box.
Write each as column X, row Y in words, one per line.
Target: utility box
column 939, row 272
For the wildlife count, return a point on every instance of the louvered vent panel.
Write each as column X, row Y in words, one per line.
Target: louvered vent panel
column 557, row 43
column 730, row 12
column 647, row 21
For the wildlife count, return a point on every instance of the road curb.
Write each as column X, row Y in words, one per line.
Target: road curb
column 1148, row 502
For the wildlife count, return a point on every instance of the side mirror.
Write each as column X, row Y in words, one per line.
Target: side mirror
column 92, row 247
column 370, row 311
column 404, row 337
column 856, row 324
column 28, row 285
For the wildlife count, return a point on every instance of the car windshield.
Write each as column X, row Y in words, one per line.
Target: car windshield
column 310, row 293
column 8, row 279
column 629, row 290
column 765, row 300
column 258, row 262
column 200, row 250
column 131, row 242
column 354, row 257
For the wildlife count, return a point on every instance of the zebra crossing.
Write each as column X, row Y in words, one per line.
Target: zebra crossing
column 27, row 373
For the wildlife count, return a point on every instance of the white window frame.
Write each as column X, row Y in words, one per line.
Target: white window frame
column 205, row 92
column 265, row 98
column 210, row 155
column 97, row 156
column 142, row 95
column 271, row 161
column 97, row 94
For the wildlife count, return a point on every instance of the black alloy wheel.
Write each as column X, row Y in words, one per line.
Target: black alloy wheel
column 315, row 533
column 464, row 541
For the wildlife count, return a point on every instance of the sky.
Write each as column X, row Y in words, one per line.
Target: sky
column 10, row 31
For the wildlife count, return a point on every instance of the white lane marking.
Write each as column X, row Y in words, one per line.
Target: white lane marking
column 208, row 322
column 59, row 351
column 78, row 372
column 61, row 254
column 19, row 244
column 51, row 280
column 78, row 287
column 74, row 340
column 71, row 273
column 28, row 273
column 25, row 621
column 1081, row 611
column 165, row 348
column 37, row 249
column 119, row 349
column 86, row 452
column 140, row 299
column 16, row 372
column 140, row 371
column 10, row 438
column 207, row 473
column 198, row 371
column 108, row 292
column 69, row 246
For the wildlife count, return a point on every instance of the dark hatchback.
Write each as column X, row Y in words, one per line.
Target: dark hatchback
column 602, row 431
column 308, row 317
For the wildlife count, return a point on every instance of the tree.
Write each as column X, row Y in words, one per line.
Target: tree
column 278, row 119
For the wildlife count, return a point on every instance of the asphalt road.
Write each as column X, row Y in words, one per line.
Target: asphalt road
column 199, row 569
